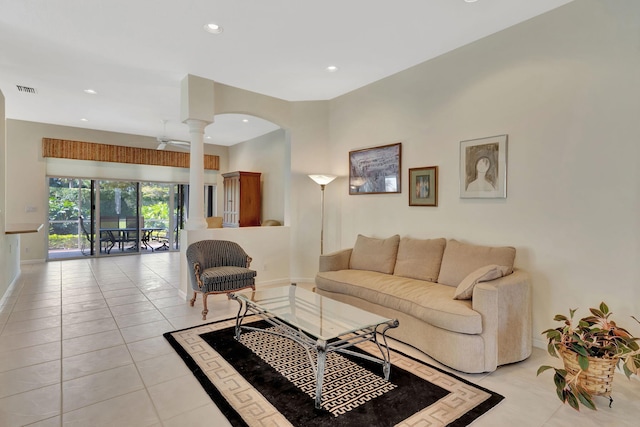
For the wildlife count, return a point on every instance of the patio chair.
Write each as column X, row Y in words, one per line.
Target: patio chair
column 87, row 235
column 162, row 237
column 131, row 235
column 218, row 267
column 110, row 234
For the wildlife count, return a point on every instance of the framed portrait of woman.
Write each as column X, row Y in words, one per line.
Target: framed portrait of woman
column 483, row 168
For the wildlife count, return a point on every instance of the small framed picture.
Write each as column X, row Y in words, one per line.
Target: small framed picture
column 483, row 168
column 423, row 186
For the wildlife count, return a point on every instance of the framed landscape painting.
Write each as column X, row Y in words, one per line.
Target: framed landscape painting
column 483, row 168
column 375, row 170
column 423, row 186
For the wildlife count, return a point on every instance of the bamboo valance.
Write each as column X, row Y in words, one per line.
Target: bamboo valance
column 78, row 150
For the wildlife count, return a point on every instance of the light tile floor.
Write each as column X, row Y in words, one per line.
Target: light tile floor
column 81, row 345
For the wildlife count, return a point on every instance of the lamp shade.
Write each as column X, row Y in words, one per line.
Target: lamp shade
column 322, row 179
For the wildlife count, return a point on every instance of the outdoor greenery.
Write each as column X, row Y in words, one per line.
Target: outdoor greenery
column 155, row 206
column 70, row 198
column 64, row 241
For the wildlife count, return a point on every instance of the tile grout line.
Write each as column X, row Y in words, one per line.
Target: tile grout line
column 153, row 403
column 135, row 364
column 43, row 281
column 20, row 289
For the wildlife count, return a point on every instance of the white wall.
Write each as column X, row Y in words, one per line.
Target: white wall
column 268, row 155
column 9, row 244
column 565, row 87
column 309, row 155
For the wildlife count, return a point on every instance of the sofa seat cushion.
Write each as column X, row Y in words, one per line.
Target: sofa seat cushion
column 430, row 302
column 226, row 279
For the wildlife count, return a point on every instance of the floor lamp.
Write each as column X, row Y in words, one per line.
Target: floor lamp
column 323, row 180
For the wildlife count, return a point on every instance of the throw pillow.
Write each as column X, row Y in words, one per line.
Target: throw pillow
column 419, row 258
column 374, row 254
column 483, row 274
column 461, row 259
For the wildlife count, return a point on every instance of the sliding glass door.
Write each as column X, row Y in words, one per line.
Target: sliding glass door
column 109, row 217
column 69, row 208
column 157, row 206
column 118, row 217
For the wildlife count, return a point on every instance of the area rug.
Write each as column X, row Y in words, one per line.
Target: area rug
column 266, row 380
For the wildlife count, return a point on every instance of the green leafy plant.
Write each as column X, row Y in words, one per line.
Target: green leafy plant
column 595, row 336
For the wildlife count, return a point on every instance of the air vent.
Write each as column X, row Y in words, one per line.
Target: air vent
column 26, row 89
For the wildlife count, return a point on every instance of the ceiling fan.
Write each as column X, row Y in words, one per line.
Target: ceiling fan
column 164, row 141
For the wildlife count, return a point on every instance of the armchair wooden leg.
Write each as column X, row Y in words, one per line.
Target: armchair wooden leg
column 204, row 303
column 193, row 300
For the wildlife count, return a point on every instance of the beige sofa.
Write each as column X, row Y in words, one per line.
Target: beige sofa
column 462, row 304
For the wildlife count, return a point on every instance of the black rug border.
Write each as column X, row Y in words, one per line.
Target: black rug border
column 236, row 420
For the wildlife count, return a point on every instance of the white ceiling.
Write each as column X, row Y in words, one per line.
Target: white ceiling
column 134, row 53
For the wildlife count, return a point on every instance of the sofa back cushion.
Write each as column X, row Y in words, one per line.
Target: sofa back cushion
column 419, row 258
column 374, row 254
column 461, row 259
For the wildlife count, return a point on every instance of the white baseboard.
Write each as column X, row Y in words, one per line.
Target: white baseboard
column 10, row 288
column 303, row 280
column 540, row 343
column 272, row 282
column 33, row 261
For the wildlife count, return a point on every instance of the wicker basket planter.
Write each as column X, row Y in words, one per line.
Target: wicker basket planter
column 595, row 339
column 597, row 379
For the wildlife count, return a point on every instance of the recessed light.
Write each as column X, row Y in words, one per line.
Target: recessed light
column 213, row 28
column 90, row 91
column 245, row 120
column 332, row 68
column 470, row 1
column 84, row 120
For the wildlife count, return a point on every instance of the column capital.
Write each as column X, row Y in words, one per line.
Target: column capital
column 196, row 125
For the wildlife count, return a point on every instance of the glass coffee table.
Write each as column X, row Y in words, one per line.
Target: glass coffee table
column 318, row 323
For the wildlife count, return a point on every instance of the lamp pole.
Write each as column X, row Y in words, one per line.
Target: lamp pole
column 323, row 180
column 322, row 218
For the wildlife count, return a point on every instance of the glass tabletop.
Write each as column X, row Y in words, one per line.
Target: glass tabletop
column 321, row 317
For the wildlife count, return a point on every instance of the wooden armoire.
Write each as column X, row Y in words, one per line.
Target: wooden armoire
column 242, row 199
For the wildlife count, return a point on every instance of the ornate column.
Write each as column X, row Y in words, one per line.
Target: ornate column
column 195, row 220
column 197, row 111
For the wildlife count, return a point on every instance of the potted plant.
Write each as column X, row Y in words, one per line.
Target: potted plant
column 591, row 349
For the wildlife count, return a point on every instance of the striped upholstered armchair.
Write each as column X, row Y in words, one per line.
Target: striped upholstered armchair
column 218, row 267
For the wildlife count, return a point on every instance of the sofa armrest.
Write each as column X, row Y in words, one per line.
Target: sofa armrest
column 335, row 261
column 505, row 307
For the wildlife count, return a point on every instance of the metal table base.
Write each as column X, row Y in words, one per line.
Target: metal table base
column 320, row 346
